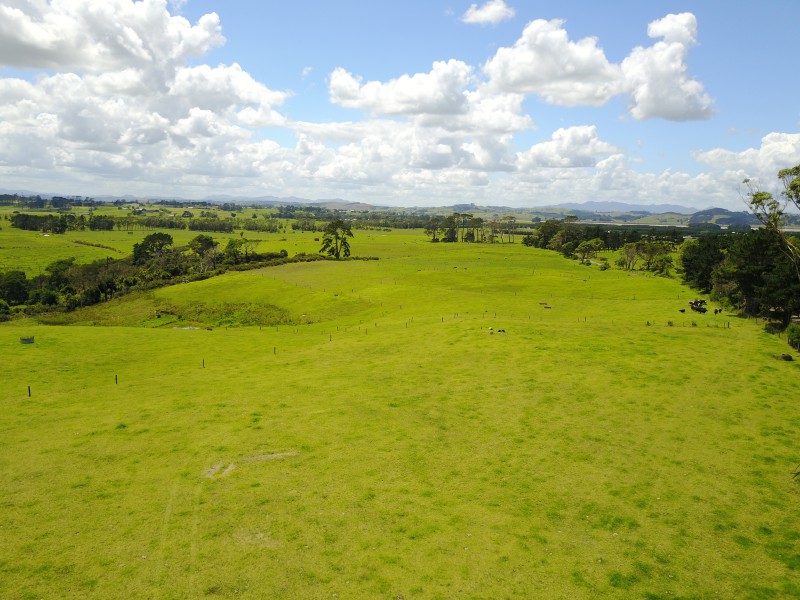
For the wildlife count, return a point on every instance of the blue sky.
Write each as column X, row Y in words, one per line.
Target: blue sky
column 407, row 104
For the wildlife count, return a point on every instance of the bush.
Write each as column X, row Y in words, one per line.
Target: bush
column 793, row 335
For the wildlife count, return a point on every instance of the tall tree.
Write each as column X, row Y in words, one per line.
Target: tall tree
column 334, row 239
column 153, row 245
column 432, row 228
column 509, row 222
column 450, row 226
column 629, row 255
column 699, row 258
column 770, row 211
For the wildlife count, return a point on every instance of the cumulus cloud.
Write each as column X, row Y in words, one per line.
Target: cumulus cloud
column 487, row 112
column 123, row 101
column 568, row 148
column 543, row 61
column 777, row 151
column 441, row 91
column 97, row 36
column 656, row 78
column 546, row 63
column 490, row 13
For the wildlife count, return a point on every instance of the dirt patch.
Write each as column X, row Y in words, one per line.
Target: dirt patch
column 213, row 470
column 216, row 470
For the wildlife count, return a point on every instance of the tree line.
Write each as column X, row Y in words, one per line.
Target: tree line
column 61, row 223
column 466, row 227
column 746, row 271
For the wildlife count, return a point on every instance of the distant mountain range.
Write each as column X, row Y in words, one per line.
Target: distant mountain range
column 608, row 207
column 600, row 207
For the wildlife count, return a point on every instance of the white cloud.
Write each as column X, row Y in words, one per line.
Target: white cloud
column 123, row 103
column 675, row 29
column 491, row 13
column 97, row 36
column 543, row 61
column 777, row 151
column 225, row 88
column 656, row 78
column 568, row 148
column 546, row 63
column 441, row 91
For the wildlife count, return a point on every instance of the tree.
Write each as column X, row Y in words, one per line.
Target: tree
column 432, row 228
column 14, row 287
column 656, row 255
column 201, row 244
column 589, row 249
column 700, row 257
column 204, row 246
column 508, row 222
column 770, row 211
column 334, row 239
column 233, row 250
column 249, row 247
column 628, row 256
column 57, row 274
column 152, row 246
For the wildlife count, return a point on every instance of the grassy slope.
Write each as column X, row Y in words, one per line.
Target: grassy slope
column 392, row 447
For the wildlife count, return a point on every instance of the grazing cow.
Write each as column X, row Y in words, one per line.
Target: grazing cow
column 698, row 306
column 683, row 310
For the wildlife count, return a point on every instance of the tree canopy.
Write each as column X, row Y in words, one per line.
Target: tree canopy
column 334, row 239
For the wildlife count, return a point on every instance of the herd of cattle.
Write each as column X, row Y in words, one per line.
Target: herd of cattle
column 700, row 306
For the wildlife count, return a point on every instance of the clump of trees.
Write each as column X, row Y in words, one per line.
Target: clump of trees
column 749, row 272
column 756, row 272
column 465, row 227
column 650, row 255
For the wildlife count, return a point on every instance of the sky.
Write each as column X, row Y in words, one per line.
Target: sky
column 516, row 103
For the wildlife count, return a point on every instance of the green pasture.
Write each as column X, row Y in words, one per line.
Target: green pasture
column 32, row 251
column 355, row 429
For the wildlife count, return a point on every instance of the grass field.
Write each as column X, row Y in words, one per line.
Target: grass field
column 368, row 436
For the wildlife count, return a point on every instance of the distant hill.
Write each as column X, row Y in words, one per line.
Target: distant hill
column 605, row 207
column 723, row 217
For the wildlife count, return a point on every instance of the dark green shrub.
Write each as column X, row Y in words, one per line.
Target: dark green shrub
column 793, row 335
